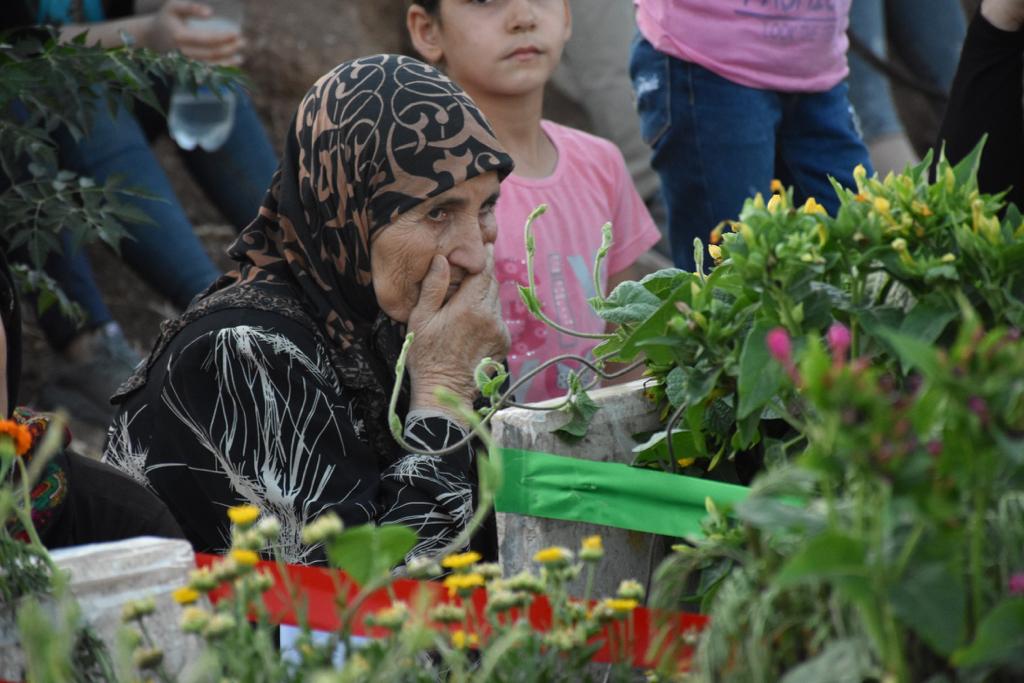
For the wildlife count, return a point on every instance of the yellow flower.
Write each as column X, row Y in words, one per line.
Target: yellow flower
column 948, row 258
column 461, row 561
column 553, row 555
column 243, row 515
column 920, row 208
column 448, row 614
column 463, row 584
column 621, row 605
column 685, row 462
column 882, row 205
column 630, row 590
column 900, row 245
column 136, row 609
column 460, row 639
column 185, row 595
column 775, row 203
column 193, row 619
column 859, row 174
column 147, row 657
column 777, row 186
column 591, row 550
column 812, row 206
column 246, row 558
column 715, row 251
column 391, row 617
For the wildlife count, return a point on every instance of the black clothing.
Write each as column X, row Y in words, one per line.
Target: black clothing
column 104, row 505
column 986, row 99
column 245, row 407
column 76, row 500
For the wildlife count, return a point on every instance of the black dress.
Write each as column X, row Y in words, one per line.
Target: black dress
column 243, row 406
column 986, row 99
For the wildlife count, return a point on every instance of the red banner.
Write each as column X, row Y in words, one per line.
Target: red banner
column 324, row 593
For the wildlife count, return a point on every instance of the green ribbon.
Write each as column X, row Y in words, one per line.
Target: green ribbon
column 608, row 493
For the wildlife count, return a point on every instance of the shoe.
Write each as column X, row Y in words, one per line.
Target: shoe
column 84, row 387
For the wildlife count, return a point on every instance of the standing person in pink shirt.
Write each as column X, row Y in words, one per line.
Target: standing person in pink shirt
column 502, row 53
column 734, row 93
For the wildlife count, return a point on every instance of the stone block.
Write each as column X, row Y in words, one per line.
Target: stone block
column 106, row 576
column 624, row 411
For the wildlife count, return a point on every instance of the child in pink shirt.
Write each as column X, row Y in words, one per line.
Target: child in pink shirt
column 734, row 93
column 502, row 54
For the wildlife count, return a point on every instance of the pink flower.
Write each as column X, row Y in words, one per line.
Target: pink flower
column 779, row 346
column 978, row 406
column 1017, row 584
column 839, row 341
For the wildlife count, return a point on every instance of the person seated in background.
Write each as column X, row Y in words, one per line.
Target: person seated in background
column 986, row 99
column 926, row 37
column 77, row 500
column 95, row 357
column 272, row 388
column 503, row 54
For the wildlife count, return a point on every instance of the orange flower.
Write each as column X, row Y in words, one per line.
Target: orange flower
column 19, row 433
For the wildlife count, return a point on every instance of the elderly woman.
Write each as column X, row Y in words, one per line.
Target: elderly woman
column 272, row 388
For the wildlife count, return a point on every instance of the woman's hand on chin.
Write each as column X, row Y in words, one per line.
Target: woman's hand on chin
column 452, row 337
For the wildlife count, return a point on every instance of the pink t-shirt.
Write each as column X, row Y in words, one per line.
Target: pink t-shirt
column 784, row 45
column 589, row 187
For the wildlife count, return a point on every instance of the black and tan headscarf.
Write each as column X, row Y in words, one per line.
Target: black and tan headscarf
column 371, row 139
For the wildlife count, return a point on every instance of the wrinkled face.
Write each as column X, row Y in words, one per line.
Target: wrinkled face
column 456, row 224
column 501, row 47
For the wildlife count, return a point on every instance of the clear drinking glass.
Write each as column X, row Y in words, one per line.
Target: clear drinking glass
column 205, row 118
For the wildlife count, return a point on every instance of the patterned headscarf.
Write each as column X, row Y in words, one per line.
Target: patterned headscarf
column 372, row 139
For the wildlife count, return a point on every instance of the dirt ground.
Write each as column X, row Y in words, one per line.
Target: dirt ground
column 290, row 45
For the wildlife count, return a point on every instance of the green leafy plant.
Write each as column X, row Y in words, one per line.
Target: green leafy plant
column 49, row 85
column 890, row 548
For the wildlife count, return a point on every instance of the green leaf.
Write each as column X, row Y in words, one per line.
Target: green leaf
column 966, row 171
column 826, row 556
column 926, row 321
column 655, row 449
column 774, row 514
column 1000, row 638
column 530, row 300
column 368, row 552
column 939, row 622
column 675, row 386
column 655, row 325
column 913, row 353
column 581, row 409
column 664, row 280
column 630, row 302
column 760, row 375
column 846, row 660
column 489, row 385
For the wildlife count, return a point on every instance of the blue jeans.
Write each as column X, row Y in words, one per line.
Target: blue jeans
column 925, row 34
column 715, row 143
column 166, row 254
